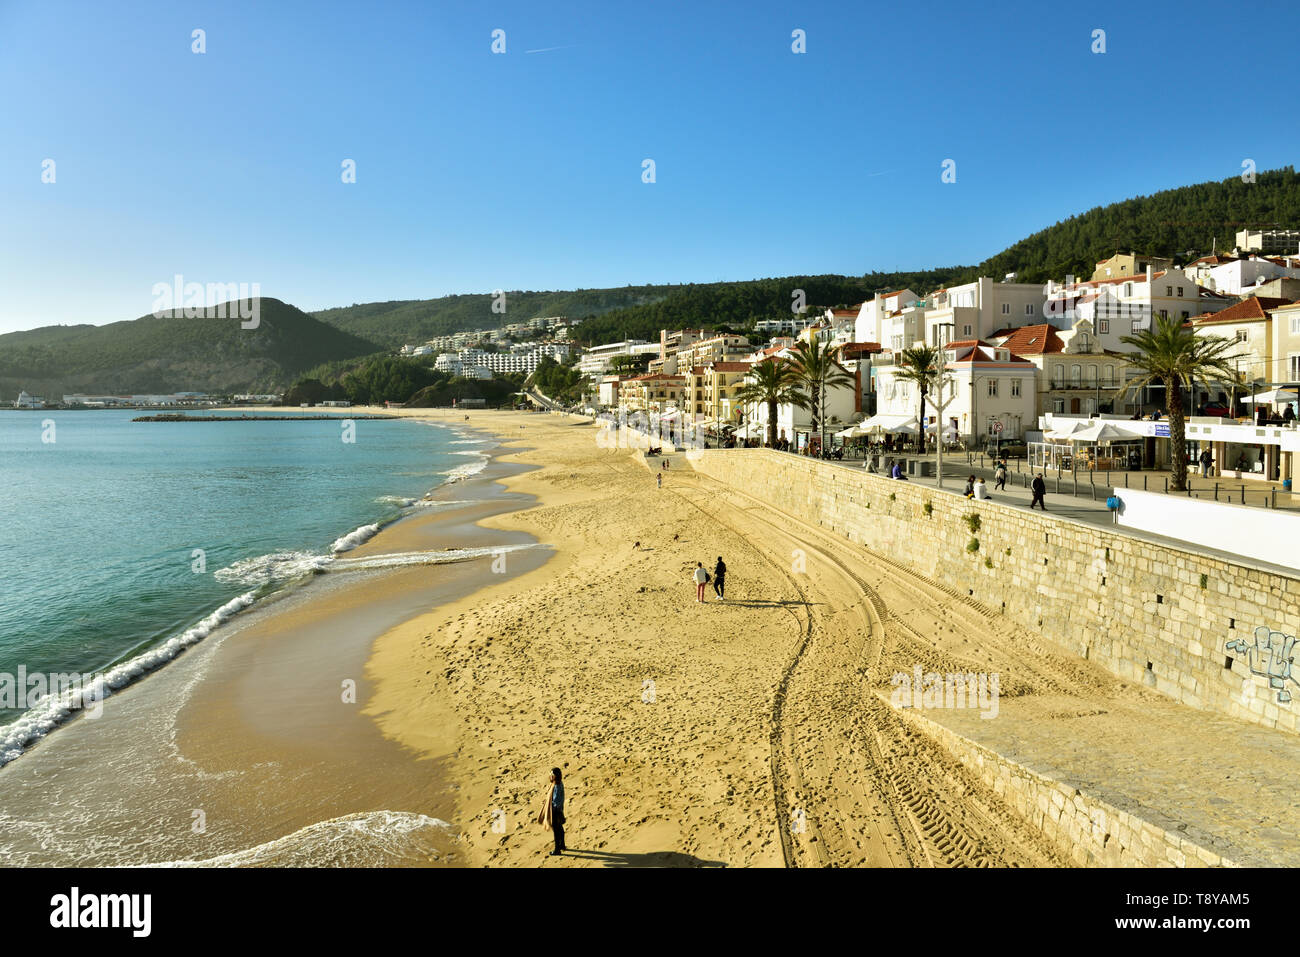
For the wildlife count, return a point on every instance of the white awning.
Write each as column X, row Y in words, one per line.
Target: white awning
column 891, row 423
column 1272, row 397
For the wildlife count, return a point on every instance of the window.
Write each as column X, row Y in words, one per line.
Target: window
column 1058, row 406
column 1242, row 335
column 1293, row 361
column 965, row 330
column 1058, row 377
column 1029, row 309
column 1295, row 325
column 1180, row 292
column 1092, row 376
column 1169, row 290
column 1103, row 326
column 1006, row 309
column 1076, row 375
column 993, row 388
column 1164, row 314
column 1137, row 325
column 1015, row 388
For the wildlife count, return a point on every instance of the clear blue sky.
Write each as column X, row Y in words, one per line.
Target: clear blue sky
column 523, row 171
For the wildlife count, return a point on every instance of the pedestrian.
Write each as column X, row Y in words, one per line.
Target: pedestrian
column 660, row 477
column 895, row 472
column 1207, row 459
column 701, row 578
column 980, row 491
column 1000, row 476
column 970, row 486
column 720, row 579
column 1039, row 489
column 553, row 812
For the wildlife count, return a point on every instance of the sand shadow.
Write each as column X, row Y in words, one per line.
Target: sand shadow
column 653, row 859
column 760, row 603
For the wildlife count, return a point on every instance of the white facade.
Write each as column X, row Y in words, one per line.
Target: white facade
column 1241, row 276
column 977, row 309
column 868, row 325
column 595, row 361
column 985, row 384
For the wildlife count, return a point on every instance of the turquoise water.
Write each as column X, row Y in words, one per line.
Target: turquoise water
column 99, row 527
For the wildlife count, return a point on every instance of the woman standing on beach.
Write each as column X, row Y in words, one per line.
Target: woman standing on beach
column 553, row 812
column 701, row 577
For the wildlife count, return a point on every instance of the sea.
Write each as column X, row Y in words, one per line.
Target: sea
column 123, row 543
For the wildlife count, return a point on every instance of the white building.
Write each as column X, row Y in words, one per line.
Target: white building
column 1240, row 277
column 594, row 362
column 25, row 401
column 976, row 310
column 868, row 327
column 1124, row 306
column 985, row 384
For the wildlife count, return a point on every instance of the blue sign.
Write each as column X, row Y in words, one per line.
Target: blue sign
column 1162, row 430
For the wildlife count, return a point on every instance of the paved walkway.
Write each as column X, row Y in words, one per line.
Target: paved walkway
column 1079, row 508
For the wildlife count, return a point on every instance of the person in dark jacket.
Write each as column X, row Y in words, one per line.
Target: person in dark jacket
column 720, row 578
column 1039, row 489
column 553, row 812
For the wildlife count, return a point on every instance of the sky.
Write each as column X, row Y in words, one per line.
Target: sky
column 477, row 170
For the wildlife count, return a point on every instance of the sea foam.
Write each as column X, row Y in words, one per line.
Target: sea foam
column 38, row 721
column 368, row 839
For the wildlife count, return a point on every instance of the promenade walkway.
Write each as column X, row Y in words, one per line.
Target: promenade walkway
column 1082, row 508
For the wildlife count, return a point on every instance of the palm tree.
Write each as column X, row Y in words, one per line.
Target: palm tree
column 923, row 365
column 815, row 371
column 1175, row 355
column 771, row 383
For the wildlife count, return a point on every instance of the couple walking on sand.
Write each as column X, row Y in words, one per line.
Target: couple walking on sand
column 701, row 578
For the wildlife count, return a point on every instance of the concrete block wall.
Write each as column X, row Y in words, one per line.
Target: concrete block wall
column 1146, row 612
column 1088, row 830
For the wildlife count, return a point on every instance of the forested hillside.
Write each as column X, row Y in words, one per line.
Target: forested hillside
column 1181, row 223
column 397, row 323
column 173, row 354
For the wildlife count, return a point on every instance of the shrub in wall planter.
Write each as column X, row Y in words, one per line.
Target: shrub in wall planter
column 973, row 545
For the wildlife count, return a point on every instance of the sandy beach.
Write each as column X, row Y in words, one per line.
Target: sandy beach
column 738, row 752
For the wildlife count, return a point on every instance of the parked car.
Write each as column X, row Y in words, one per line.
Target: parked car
column 1215, row 409
column 1011, row 449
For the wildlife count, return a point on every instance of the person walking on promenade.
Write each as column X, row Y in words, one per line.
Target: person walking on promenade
column 1000, row 476
column 701, row 578
column 553, row 812
column 720, row 579
column 1039, row 489
column 1207, row 459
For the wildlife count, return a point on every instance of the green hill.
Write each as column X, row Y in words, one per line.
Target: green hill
column 397, row 323
column 173, row 354
column 1182, row 223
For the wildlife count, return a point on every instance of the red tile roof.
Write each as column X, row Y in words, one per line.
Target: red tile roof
column 1034, row 341
column 730, row 366
column 1252, row 308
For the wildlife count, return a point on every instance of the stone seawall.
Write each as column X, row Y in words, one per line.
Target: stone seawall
column 1199, row 629
column 1090, row 831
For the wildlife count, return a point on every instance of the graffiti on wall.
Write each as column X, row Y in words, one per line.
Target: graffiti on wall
column 1270, row 657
